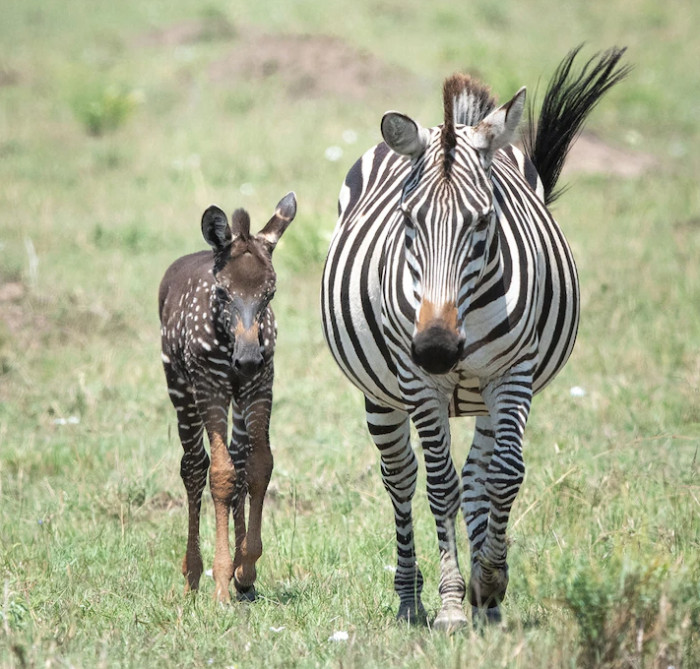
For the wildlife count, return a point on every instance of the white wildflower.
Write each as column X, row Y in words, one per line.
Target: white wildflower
column 333, row 153
column 349, row 136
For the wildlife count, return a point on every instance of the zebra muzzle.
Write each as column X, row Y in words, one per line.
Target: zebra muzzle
column 436, row 349
column 247, row 357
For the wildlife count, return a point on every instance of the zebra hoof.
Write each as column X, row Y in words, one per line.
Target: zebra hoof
column 413, row 613
column 486, row 617
column 450, row 620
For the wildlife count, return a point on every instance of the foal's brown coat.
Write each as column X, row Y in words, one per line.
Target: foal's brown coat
column 218, row 338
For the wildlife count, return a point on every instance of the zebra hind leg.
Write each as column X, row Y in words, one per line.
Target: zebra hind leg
column 475, row 509
column 390, row 431
column 508, row 401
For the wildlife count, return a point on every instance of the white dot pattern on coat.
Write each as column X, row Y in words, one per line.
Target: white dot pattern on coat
column 218, row 335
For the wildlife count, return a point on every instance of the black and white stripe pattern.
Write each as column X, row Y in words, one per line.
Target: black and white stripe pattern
column 449, row 290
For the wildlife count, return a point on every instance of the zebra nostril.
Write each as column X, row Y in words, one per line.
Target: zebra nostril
column 460, row 346
column 248, row 365
column 436, row 350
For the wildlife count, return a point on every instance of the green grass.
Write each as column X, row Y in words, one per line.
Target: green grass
column 606, row 531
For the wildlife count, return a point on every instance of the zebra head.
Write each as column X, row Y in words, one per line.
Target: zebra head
column 447, row 205
column 245, row 278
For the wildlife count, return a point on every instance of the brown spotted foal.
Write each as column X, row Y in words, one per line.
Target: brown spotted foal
column 218, row 339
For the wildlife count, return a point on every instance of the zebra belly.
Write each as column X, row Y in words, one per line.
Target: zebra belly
column 351, row 314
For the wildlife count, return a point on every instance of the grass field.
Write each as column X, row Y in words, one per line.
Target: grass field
column 119, row 123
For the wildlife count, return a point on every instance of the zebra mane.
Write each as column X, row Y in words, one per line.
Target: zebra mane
column 466, row 101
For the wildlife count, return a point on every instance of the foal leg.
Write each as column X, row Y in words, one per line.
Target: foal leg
column 193, row 471
column 222, row 481
column 258, row 470
column 239, row 449
column 390, row 431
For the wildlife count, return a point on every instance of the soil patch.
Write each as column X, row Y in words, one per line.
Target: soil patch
column 309, row 66
column 188, row 32
column 316, row 66
column 590, row 154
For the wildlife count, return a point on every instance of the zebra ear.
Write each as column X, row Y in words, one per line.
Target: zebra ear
column 404, row 135
column 215, row 228
column 284, row 214
column 497, row 129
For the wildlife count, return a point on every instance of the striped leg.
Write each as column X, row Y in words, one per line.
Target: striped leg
column 194, row 466
column 508, row 401
column 258, row 470
column 432, row 423
column 239, row 449
column 222, row 481
column 475, row 499
column 390, row 431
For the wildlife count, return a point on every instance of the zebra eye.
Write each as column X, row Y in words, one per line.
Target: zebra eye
column 482, row 223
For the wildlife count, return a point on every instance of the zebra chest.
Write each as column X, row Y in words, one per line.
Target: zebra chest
column 499, row 334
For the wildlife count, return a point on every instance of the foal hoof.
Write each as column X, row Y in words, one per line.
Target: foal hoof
column 246, row 595
column 222, row 595
column 450, row 620
column 486, row 617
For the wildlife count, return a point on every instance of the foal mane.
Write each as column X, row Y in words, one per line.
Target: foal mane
column 466, row 101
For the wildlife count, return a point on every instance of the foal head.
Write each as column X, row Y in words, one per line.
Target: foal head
column 245, row 279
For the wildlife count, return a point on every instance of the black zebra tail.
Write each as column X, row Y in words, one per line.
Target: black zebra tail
column 569, row 99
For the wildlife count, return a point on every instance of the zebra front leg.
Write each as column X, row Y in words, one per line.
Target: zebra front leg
column 508, row 400
column 258, row 470
column 475, row 499
column 432, row 423
column 390, row 430
column 222, row 481
column 194, row 466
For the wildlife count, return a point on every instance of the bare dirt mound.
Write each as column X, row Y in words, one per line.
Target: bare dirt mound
column 188, row 32
column 590, row 154
column 309, row 66
column 316, row 66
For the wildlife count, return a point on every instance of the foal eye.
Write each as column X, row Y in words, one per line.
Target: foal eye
column 222, row 295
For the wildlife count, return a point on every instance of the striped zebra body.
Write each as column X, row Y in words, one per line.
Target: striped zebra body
column 368, row 300
column 449, row 290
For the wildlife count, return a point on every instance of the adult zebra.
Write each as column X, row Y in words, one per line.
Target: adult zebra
column 449, row 290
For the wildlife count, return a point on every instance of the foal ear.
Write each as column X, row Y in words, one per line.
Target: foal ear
column 284, row 214
column 404, row 135
column 498, row 128
column 215, row 228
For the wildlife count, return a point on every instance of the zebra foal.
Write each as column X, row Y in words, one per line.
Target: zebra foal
column 449, row 290
column 218, row 337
